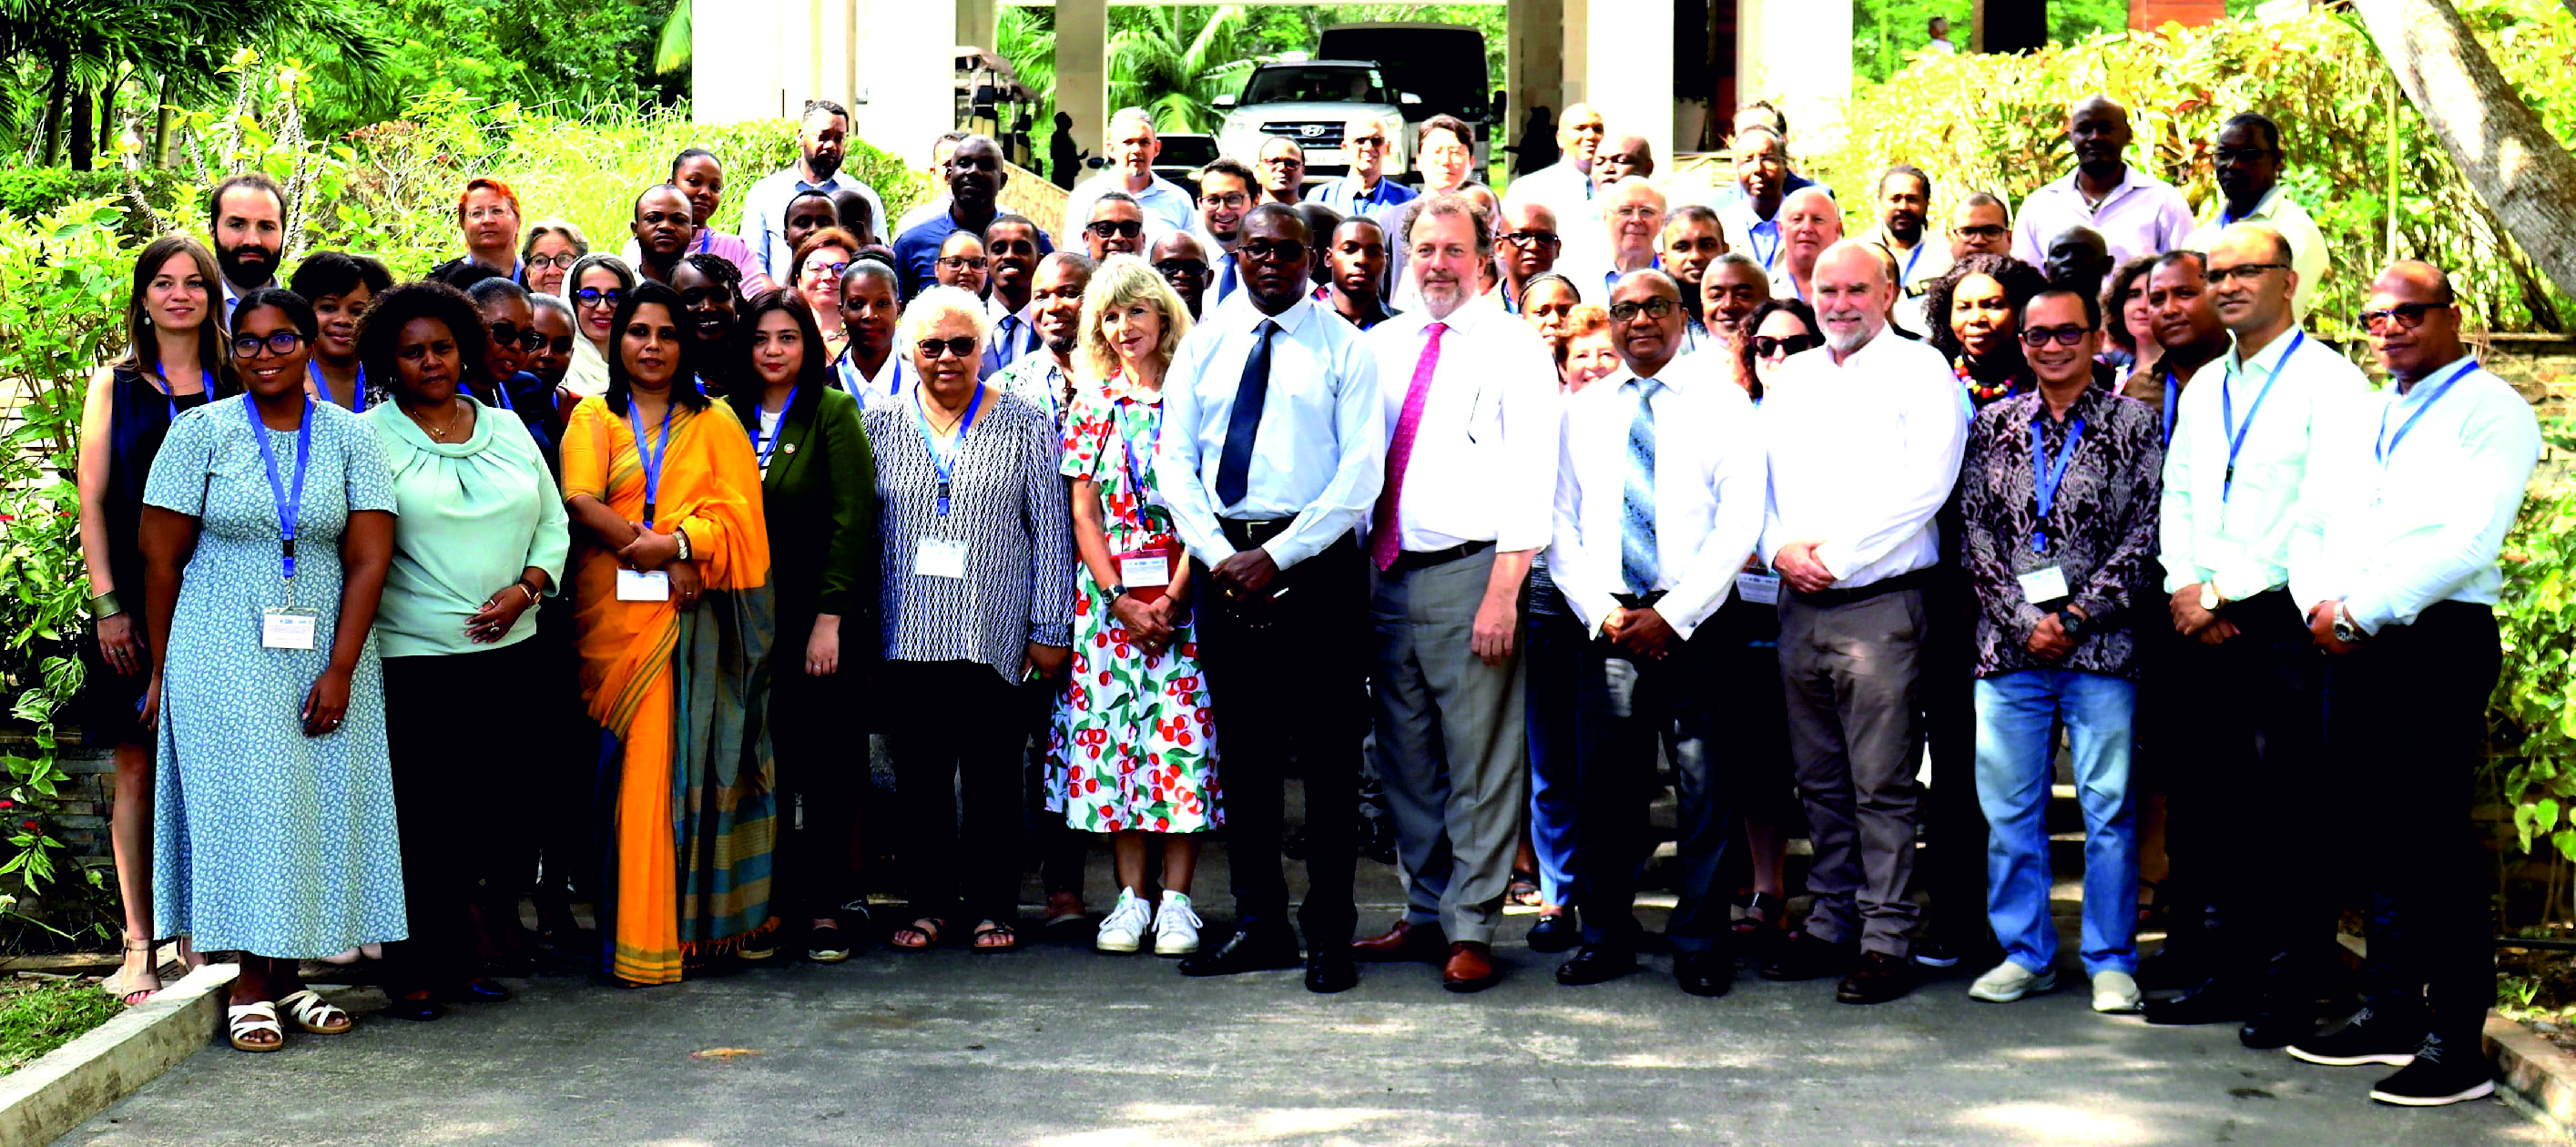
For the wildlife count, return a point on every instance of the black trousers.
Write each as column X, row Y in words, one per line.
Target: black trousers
column 822, row 764
column 1290, row 683
column 957, row 752
column 2405, row 733
column 563, row 854
column 1954, row 861
column 1624, row 708
column 448, row 716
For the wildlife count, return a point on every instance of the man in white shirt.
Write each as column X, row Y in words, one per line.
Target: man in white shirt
column 1471, row 417
column 1751, row 217
column 1632, row 222
column 2411, row 494
column 1809, row 223
column 1226, row 190
column 1865, row 436
column 1565, row 186
column 2233, row 478
column 2247, row 154
column 1132, row 148
column 822, row 141
column 2137, row 213
column 1904, row 228
column 1012, row 248
column 1659, row 501
column 1938, row 28
column 1273, row 452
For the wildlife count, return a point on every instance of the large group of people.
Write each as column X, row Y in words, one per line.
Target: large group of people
column 1479, row 512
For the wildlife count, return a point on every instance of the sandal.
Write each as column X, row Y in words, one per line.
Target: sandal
column 925, row 928
column 255, row 1018
column 1763, row 913
column 824, row 945
column 1524, row 889
column 1010, row 938
column 129, row 987
column 314, row 1014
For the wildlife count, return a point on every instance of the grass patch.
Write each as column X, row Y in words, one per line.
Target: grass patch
column 37, row 1016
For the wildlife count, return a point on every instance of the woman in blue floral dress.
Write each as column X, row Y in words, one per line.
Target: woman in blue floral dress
column 1132, row 751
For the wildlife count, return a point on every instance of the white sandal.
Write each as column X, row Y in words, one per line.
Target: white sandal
column 252, row 1018
column 314, row 1014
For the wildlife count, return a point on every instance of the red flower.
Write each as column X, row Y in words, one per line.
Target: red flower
column 29, row 824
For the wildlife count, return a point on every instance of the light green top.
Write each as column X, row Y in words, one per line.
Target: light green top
column 469, row 518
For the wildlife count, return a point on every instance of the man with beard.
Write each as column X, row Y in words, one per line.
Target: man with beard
column 1565, row 188
column 975, row 179
column 246, row 218
column 1043, row 378
column 1752, row 217
column 1865, row 435
column 924, row 211
column 1904, row 212
column 2247, row 156
column 665, row 226
column 1690, row 243
column 1116, row 226
column 1225, row 193
column 822, row 140
column 1012, row 247
column 1470, row 402
column 1283, row 171
column 2137, row 213
column 1809, row 223
column 1181, row 262
column 1527, row 246
column 1358, row 261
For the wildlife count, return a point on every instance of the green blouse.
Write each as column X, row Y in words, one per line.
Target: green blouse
column 469, row 518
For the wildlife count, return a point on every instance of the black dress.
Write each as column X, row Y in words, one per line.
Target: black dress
column 139, row 417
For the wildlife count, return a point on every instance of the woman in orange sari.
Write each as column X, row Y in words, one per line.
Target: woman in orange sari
column 674, row 622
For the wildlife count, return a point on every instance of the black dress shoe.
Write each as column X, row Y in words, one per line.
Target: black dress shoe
column 1555, row 932
column 2216, row 1001
column 420, row 1009
column 1704, row 973
column 475, row 991
column 1595, row 964
column 1804, row 957
column 1254, row 951
column 1327, row 974
column 1879, row 978
column 2271, row 1031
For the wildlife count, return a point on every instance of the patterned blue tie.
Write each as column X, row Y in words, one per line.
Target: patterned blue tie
column 1637, row 554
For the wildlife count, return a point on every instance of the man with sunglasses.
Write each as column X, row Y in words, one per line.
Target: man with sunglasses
column 1181, row 262
column 975, row 179
column 2058, row 500
column 2236, row 473
column 2246, row 155
column 1273, row 451
column 1283, row 171
column 2394, row 557
column 1365, row 187
column 1526, row 246
column 1116, row 226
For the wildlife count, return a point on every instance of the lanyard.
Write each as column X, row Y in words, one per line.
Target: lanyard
column 2227, row 410
column 651, row 460
column 169, row 394
column 501, row 391
column 1136, row 473
column 2173, row 402
column 1911, row 258
column 2383, row 446
column 357, row 401
column 2047, row 472
column 945, row 462
column 857, row 384
column 770, row 445
column 290, row 503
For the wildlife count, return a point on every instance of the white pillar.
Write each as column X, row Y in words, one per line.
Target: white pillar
column 1777, row 59
column 978, row 22
column 1574, row 37
column 734, row 62
column 1082, row 69
column 904, row 93
column 1533, row 64
column 1628, row 49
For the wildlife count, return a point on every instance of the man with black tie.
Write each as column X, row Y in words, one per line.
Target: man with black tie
column 1274, row 453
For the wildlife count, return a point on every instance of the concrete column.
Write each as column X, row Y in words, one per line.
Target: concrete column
column 1628, row 49
column 1533, row 63
column 1777, row 59
column 977, row 22
column 904, row 95
column 734, row 61
column 1574, row 34
column 1082, row 69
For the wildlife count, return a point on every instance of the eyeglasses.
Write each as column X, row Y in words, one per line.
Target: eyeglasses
column 2064, row 336
column 1121, row 228
column 1367, row 141
column 1765, row 346
column 1235, row 200
column 962, row 262
column 1530, row 240
column 507, row 335
column 2228, row 155
column 696, row 297
column 1981, row 230
column 594, row 297
column 1170, row 268
column 2402, row 317
column 962, row 346
column 283, row 342
column 550, row 262
column 1273, row 250
column 1651, row 308
column 832, row 269
column 2219, row 276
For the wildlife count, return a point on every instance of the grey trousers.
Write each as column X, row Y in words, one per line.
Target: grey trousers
column 1450, row 747
column 1856, row 735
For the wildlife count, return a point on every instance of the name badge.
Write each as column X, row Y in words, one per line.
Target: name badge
column 640, row 585
column 286, row 628
column 1144, row 570
column 2045, row 584
column 940, row 557
column 1759, row 589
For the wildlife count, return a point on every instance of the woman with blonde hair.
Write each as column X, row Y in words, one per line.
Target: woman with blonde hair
column 1132, row 751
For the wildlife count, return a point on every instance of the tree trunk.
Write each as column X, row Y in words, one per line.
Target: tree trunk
column 107, row 116
column 161, row 118
column 57, row 98
column 83, row 133
column 2510, row 159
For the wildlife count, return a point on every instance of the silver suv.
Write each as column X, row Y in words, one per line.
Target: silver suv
column 1313, row 102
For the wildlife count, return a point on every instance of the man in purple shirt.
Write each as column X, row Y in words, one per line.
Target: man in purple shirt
column 2136, row 213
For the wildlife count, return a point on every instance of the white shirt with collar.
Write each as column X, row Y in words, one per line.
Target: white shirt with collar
column 1484, row 452
column 2392, row 529
column 2237, row 536
column 1863, row 454
column 883, row 386
column 1167, row 205
column 1710, row 491
column 1014, row 334
column 1319, row 451
column 233, row 298
column 2283, row 214
column 2144, row 215
column 1562, row 188
column 764, row 213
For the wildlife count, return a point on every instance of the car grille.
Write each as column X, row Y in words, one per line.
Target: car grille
column 1307, row 133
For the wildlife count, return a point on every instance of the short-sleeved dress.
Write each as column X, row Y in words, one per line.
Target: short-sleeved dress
column 1133, row 744
column 266, row 840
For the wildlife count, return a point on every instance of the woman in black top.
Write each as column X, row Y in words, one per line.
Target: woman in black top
column 175, row 363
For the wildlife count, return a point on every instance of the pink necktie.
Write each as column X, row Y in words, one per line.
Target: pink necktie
column 1385, row 542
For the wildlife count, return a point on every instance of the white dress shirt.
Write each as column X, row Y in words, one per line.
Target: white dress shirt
column 1167, row 205
column 1709, row 492
column 1561, row 187
column 2144, row 215
column 2390, row 539
column 764, row 213
column 2238, row 538
column 1319, row 451
column 1484, row 452
column 2282, row 214
column 1863, row 454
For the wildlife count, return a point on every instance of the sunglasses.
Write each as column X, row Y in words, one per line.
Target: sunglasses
column 1531, row 239
column 1169, row 268
column 504, row 334
column 283, row 342
column 696, row 297
column 594, row 297
column 1275, row 250
column 1766, row 346
column 962, row 346
column 1120, row 228
column 1651, row 308
column 962, row 262
column 2250, row 272
column 2064, row 336
column 2402, row 317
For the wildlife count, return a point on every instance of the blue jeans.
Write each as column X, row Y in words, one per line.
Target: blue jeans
column 2015, row 715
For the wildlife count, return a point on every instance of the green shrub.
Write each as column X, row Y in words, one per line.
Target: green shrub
column 30, row 192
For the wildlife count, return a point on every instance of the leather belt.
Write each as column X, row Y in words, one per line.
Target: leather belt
column 1910, row 579
column 1411, row 560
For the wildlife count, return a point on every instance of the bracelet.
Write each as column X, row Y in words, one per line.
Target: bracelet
column 683, row 535
column 104, row 606
column 528, row 590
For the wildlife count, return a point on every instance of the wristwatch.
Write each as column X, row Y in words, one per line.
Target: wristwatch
column 2072, row 622
column 2209, row 599
column 1117, row 591
column 2344, row 630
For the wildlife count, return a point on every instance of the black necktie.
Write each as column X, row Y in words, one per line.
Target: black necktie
column 1234, row 467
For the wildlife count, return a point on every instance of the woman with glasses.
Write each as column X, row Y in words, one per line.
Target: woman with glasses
column 509, row 323
column 869, row 367
column 1546, row 301
column 815, row 276
column 962, row 263
column 597, row 285
column 339, row 286
column 975, row 596
column 487, row 217
column 710, row 290
column 267, row 534
column 1774, row 331
column 672, row 601
column 553, row 246
column 1975, row 313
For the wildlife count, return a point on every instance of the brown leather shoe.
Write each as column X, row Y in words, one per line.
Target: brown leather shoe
column 1880, row 977
column 1406, row 941
column 1470, row 967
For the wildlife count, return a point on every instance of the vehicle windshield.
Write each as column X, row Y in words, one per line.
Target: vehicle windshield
column 1186, row 151
column 1307, row 85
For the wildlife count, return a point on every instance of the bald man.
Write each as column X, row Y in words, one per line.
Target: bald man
column 1865, row 436
column 1632, row 223
column 1633, row 157
column 1566, row 186
column 1132, row 147
column 2137, row 213
column 1809, row 223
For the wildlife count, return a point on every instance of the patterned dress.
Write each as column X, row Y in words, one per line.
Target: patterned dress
column 1132, row 745
column 266, row 840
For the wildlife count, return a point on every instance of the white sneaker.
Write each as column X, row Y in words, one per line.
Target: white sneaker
column 1124, row 930
column 1176, row 927
column 2116, row 993
column 2010, row 981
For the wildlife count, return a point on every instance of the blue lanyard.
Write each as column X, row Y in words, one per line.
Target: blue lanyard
column 2173, row 402
column 2227, row 410
column 2383, row 445
column 2047, row 472
column 769, row 445
column 1911, row 258
column 357, row 402
column 290, row 504
column 169, row 394
column 946, row 462
column 652, row 460
column 857, row 384
column 1136, row 473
